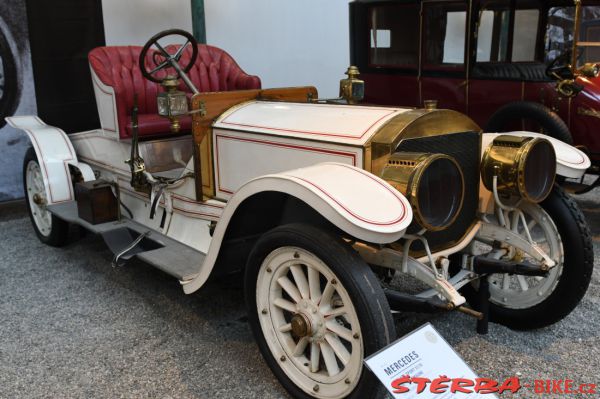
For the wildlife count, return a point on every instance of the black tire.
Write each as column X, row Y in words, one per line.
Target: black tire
column 549, row 120
column 574, row 280
column 59, row 230
column 354, row 274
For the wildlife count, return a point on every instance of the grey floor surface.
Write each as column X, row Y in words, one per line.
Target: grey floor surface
column 73, row 327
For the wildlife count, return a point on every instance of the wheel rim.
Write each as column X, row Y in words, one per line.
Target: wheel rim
column 520, row 292
column 36, row 195
column 309, row 323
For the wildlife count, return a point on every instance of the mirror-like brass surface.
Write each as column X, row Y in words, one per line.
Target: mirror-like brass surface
column 413, row 124
column 300, row 326
column 506, row 157
column 352, row 89
column 590, row 70
column 404, row 172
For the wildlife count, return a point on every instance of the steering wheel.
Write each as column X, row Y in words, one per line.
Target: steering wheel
column 163, row 59
column 560, row 67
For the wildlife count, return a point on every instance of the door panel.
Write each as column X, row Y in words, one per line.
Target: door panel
column 391, row 89
column 486, row 96
column 450, row 93
column 443, row 54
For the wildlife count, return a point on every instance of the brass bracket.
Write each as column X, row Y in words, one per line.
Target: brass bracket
column 568, row 88
column 201, row 110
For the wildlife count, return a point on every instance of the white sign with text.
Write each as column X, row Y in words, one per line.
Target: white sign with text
column 423, row 360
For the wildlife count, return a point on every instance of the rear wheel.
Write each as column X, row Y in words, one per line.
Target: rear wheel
column 316, row 310
column 49, row 229
column 527, row 115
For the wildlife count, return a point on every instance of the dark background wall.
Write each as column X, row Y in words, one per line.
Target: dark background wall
column 61, row 33
column 44, row 71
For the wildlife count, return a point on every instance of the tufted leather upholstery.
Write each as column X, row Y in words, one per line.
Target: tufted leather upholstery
column 118, row 67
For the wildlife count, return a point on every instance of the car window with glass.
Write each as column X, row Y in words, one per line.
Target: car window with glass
column 494, row 33
column 444, row 35
column 394, row 33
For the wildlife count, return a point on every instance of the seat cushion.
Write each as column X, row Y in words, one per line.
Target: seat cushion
column 155, row 125
column 118, row 67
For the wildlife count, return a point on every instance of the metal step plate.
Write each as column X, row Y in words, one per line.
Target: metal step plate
column 170, row 256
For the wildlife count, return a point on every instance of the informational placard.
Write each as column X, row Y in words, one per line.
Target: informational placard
column 422, row 365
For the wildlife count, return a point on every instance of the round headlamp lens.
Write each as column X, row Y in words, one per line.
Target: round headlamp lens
column 440, row 193
column 539, row 170
column 432, row 183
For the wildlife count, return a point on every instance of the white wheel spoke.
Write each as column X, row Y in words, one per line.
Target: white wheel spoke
column 315, row 355
column 39, row 185
column 329, row 358
column 339, row 348
column 327, row 295
column 335, row 312
column 338, row 329
column 522, row 283
column 505, row 282
column 301, row 347
column 300, row 280
column 285, row 328
column 290, row 288
column 531, row 224
column 314, row 284
column 285, row 305
column 538, row 278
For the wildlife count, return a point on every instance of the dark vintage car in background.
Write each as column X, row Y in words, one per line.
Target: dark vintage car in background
column 508, row 64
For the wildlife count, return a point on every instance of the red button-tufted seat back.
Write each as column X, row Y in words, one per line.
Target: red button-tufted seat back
column 118, row 67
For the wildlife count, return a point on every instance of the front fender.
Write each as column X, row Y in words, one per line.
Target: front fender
column 570, row 162
column 357, row 202
column 55, row 153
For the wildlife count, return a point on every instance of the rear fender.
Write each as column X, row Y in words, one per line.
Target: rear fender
column 55, row 153
column 355, row 201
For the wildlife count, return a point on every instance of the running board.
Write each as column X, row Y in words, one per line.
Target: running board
column 160, row 251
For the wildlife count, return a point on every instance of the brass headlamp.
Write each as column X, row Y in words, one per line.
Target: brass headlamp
column 432, row 183
column 172, row 103
column 590, row 70
column 523, row 166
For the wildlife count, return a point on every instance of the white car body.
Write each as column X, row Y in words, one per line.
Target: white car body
column 311, row 151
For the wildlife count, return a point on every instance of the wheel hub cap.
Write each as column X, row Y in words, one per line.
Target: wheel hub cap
column 38, row 199
column 301, row 326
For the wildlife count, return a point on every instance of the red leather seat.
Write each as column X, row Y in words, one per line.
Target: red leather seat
column 118, row 67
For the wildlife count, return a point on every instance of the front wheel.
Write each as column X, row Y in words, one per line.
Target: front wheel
column 49, row 229
column 559, row 227
column 316, row 310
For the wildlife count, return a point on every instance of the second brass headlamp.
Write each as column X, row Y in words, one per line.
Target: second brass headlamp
column 523, row 166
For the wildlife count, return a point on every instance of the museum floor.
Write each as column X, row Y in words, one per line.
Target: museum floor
column 72, row 326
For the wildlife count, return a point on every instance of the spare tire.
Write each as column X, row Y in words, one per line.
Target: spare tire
column 551, row 123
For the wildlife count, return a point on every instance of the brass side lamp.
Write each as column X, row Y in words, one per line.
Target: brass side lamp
column 172, row 103
column 352, row 89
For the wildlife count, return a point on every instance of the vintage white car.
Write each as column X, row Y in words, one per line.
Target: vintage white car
column 321, row 203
